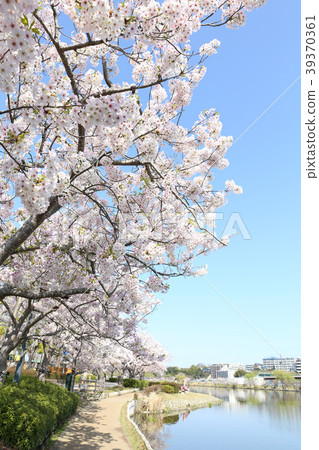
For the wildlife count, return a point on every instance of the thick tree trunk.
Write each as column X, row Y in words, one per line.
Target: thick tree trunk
column 4, row 353
column 6, row 347
column 3, row 361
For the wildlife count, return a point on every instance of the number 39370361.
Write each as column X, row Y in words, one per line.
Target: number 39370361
column 310, row 45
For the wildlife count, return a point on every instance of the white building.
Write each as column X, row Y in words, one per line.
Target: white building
column 228, row 373
column 287, row 364
column 226, row 370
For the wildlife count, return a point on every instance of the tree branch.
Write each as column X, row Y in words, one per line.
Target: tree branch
column 11, row 245
column 9, row 290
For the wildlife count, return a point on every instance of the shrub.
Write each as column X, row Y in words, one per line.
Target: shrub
column 143, row 384
column 133, row 383
column 113, row 380
column 154, row 388
column 30, row 411
column 176, row 386
column 130, row 383
column 240, row 373
column 167, row 388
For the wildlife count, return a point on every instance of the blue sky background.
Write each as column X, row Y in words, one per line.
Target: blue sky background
column 261, row 276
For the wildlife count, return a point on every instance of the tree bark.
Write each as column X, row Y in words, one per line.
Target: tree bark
column 8, row 344
column 27, row 229
column 3, row 362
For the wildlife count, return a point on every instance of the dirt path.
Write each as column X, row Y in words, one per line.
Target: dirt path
column 96, row 426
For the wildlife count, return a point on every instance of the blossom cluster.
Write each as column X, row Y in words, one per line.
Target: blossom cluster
column 103, row 186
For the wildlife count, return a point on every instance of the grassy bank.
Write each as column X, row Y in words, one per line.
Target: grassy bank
column 130, row 431
column 190, row 400
column 158, row 403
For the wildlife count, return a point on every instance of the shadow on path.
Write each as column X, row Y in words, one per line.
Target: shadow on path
column 95, row 426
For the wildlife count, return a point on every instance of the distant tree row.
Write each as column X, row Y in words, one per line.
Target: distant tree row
column 193, row 371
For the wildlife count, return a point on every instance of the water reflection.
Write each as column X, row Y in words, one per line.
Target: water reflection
column 281, row 408
column 157, row 427
column 245, row 419
column 172, row 419
column 152, row 426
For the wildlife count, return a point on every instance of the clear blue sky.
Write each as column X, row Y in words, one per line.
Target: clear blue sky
column 261, row 276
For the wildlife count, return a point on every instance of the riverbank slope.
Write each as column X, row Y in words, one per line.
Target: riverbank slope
column 161, row 402
column 189, row 400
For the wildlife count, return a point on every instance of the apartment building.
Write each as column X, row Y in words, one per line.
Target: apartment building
column 287, row 364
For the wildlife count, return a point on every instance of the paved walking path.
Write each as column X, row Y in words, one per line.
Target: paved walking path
column 96, row 426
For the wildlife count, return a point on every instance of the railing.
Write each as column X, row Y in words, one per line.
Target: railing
column 92, row 386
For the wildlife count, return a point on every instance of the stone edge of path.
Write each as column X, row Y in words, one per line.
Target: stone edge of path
column 129, row 412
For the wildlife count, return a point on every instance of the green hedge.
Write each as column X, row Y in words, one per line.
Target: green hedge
column 30, row 411
column 113, row 380
column 175, row 386
column 168, row 389
column 132, row 383
column 143, row 384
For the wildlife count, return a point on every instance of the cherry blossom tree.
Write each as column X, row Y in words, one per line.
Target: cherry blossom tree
column 129, row 356
column 143, row 354
column 104, row 193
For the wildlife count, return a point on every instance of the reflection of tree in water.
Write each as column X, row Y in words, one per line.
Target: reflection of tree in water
column 171, row 419
column 152, row 426
column 284, row 411
column 223, row 394
column 282, row 408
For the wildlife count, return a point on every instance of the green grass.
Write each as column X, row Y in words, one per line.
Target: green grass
column 130, row 431
column 190, row 400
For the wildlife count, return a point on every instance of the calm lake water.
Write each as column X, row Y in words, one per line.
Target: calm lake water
column 246, row 420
